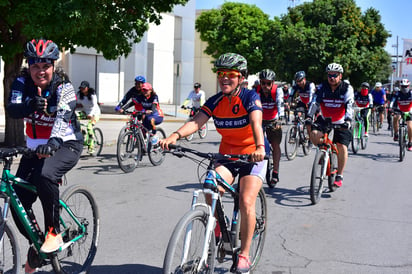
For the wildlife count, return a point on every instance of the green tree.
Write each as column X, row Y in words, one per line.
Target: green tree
column 111, row 27
column 314, row 34
column 238, row 28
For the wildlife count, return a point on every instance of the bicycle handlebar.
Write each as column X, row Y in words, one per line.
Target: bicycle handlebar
column 14, row 151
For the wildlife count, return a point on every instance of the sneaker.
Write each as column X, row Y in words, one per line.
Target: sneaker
column 28, row 269
column 410, row 146
column 52, row 243
column 274, row 180
column 396, row 137
column 338, row 180
column 243, row 264
column 366, row 134
column 218, row 233
column 91, row 151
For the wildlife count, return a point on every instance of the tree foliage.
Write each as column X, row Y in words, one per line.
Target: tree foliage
column 307, row 38
column 111, row 27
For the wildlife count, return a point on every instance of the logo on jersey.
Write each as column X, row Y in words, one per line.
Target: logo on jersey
column 235, row 109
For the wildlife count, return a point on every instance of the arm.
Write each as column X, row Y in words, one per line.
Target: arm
column 349, row 98
column 279, row 102
column 256, row 124
column 19, row 104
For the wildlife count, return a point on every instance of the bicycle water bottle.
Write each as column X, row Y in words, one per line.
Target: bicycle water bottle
column 154, row 140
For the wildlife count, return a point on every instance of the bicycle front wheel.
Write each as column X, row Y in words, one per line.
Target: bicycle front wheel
column 127, row 158
column 356, row 138
column 203, row 131
column 156, row 154
column 306, row 143
column 333, row 170
column 9, row 250
column 364, row 138
column 78, row 257
column 259, row 234
column 317, row 176
column 186, row 245
column 402, row 143
column 291, row 142
column 98, row 141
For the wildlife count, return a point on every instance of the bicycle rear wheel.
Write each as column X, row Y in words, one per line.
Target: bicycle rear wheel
column 333, row 170
column 127, row 158
column 356, row 138
column 269, row 169
column 372, row 118
column 9, row 250
column 203, row 131
column 306, row 143
column 291, row 142
column 78, row 257
column 186, row 244
column 156, row 154
column 364, row 138
column 318, row 176
column 259, row 234
column 98, row 141
column 402, row 143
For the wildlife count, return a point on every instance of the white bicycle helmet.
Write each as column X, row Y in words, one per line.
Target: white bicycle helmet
column 405, row 83
column 334, row 67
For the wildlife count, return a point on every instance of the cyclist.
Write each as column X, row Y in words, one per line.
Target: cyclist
column 403, row 101
column 389, row 97
column 148, row 102
column 46, row 100
column 87, row 106
column 364, row 100
column 335, row 99
column 238, row 118
column 272, row 104
column 131, row 93
column 303, row 92
column 196, row 97
column 379, row 99
column 286, row 95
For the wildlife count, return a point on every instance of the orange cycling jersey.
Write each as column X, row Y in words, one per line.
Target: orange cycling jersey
column 231, row 118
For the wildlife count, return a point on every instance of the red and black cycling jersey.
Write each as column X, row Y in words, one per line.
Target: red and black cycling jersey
column 143, row 103
column 272, row 103
column 305, row 93
column 402, row 101
column 231, row 118
column 335, row 104
column 363, row 101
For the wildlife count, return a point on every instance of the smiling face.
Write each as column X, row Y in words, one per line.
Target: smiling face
column 229, row 80
column 41, row 73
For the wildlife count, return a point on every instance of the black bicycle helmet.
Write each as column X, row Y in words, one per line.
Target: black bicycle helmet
column 365, row 84
column 300, row 75
column 267, row 74
column 42, row 49
column 232, row 61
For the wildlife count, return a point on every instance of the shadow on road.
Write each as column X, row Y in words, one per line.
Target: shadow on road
column 299, row 197
column 125, row 269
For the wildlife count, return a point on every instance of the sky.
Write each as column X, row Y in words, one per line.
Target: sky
column 396, row 15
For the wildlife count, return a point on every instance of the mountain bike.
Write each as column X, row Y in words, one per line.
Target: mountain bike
column 297, row 135
column 402, row 133
column 325, row 163
column 360, row 140
column 202, row 131
column 193, row 247
column 79, row 225
column 375, row 120
column 269, row 152
column 93, row 143
column 135, row 141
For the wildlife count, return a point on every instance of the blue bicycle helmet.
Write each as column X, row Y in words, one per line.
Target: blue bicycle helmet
column 140, row 78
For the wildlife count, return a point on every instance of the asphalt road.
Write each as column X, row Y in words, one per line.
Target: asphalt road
column 363, row 227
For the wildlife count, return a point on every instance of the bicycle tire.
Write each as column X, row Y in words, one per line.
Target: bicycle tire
column 269, row 169
column 317, row 176
column 356, row 137
column 306, row 143
column 259, row 235
column 78, row 257
column 364, row 138
column 156, row 154
column 203, row 131
column 127, row 158
column 197, row 219
column 291, row 142
column 372, row 121
column 98, row 141
column 402, row 145
column 333, row 169
column 9, row 249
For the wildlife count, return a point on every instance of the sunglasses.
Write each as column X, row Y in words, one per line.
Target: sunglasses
column 265, row 83
column 228, row 74
column 333, row 75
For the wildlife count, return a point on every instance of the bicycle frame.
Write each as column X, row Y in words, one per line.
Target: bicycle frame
column 327, row 146
column 27, row 218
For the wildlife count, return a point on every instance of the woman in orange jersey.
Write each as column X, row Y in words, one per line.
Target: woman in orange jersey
column 237, row 114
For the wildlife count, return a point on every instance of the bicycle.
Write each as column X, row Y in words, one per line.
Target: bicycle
column 202, row 131
column 360, row 140
column 402, row 133
column 325, row 163
column 192, row 247
column 297, row 135
column 94, row 143
column 79, row 223
column 269, row 152
column 135, row 141
column 375, row 119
